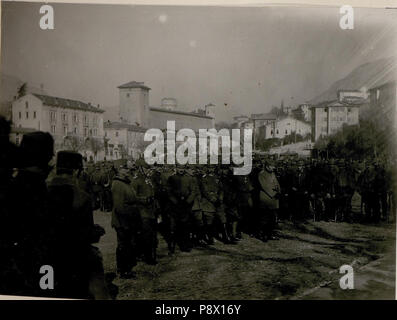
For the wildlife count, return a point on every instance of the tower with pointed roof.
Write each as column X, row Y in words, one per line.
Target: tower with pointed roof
column 134, row 103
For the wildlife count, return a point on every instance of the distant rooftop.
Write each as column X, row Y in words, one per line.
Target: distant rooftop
column 134, row 84
column 263, row 116
column 120, row 125
column 67, row 103
column 337, row 103
column 193, row 114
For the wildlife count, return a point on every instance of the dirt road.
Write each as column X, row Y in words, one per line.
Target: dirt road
column 303, row 264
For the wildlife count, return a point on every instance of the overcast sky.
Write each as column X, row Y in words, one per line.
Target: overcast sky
column 249, row 58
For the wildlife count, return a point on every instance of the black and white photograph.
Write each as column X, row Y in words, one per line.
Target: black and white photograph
column 198, row 152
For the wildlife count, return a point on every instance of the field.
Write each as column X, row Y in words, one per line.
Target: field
column 302, row 264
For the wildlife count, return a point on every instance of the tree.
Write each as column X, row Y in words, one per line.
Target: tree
column 72, row 142
column 21, row 90
column 368, row 140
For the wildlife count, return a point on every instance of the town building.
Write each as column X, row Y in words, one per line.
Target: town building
column 123, row 140
column 75, row 125
column 329, row 117
column 286, row 126
column 239, row 120
column 135, row 110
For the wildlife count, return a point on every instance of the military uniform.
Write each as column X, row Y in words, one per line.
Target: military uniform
column 212, row 205
column 126, row 222
column 269, row 203
column 179, row 209
column 145, row 206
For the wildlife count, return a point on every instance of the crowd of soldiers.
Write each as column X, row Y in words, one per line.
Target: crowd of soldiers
column 47, row 210
column 191, row 205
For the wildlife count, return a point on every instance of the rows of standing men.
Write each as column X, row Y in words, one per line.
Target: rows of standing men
column 193, row 205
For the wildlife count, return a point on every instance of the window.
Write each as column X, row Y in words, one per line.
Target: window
column 27, row 115
column 325, row 109
column 286, row 131
column 349, row 109
column 75, row 118
column 75, row 130
column 65, row 130
column 26, row 104
column 64, row 117
column 53, row 129
column 20, row 115
column 277, row 131
column 377, row 94
column 34, row 114
column 52, row 116
column 271, row 131
column 85, row 120
column 117, row 133
column 128, row 95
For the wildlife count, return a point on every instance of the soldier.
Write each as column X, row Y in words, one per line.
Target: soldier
column 30, row 217
column 212, row 205
column 244, row 188
column 365, row 181
column 143, row 187
column 179, row 209
column 126, row 222
column 197, row 223
column 230, row 199
column 164, row 216
column 269, row 204
column 77, row 264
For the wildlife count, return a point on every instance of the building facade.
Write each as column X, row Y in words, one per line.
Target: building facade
column 286, row 126
column 329, row 117
column 135, row 110
column 75, row 125
column 123, row 141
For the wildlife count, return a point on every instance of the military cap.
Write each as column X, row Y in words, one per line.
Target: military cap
column 69, row 160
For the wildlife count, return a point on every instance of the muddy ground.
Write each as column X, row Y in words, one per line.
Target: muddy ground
column 303, row 264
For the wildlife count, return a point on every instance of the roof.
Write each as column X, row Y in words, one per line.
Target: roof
column 192, row 114
column 67, row 103
column 337, row 103
column 263, row 116
column 239, row 117
column 134, row 84
column 121, row 125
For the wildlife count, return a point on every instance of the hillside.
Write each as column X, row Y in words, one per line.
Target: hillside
column 365, row 76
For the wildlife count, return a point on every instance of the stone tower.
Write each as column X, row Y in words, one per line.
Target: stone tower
column 134, row 103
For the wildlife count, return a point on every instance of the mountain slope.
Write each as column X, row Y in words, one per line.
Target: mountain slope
column 365, row 76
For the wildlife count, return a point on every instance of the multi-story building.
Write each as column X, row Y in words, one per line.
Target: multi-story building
column 328, row 117
column 75, row 125
column 123, row 140
column 135, row 110
column 286, row 126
